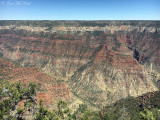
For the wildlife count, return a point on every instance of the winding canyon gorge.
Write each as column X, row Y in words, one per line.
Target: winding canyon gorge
column 92, row 62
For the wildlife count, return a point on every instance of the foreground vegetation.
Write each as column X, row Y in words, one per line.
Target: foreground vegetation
column 16, row 101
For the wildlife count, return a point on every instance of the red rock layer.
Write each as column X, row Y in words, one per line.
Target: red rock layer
column 49, row 90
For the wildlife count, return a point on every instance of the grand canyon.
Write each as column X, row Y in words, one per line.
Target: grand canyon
column 93, row 62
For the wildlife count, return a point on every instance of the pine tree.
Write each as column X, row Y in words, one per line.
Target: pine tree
column 11, row 94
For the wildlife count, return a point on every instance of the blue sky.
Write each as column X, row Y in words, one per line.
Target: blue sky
column 79, row 9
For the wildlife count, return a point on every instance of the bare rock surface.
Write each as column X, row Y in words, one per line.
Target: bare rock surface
column 100, row 61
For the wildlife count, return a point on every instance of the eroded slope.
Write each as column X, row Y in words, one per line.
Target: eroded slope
column 103, row 61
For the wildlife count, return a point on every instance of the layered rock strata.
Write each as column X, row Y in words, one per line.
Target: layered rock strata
column 102, row 61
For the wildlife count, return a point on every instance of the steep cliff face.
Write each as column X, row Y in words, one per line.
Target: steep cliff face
column 111, row 76
column 103, row 61
column 55, row 57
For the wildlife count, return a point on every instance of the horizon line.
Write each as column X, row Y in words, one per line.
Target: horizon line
column 71, row 20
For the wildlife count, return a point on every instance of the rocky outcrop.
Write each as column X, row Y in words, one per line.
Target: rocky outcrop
column 110, row 77
column 103, row 61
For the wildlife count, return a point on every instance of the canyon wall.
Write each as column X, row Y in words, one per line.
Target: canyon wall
column 101, row 61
